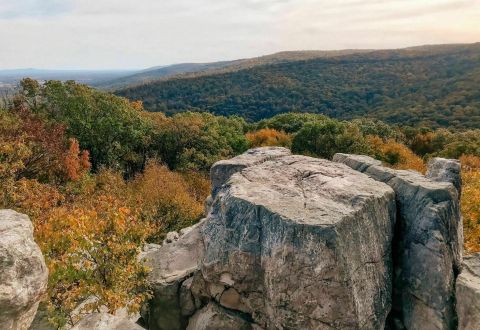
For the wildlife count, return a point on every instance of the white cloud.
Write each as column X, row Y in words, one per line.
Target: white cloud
column 126, row 33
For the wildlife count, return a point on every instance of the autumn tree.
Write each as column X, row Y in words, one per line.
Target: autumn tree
column 395, row 154
column 268, row 137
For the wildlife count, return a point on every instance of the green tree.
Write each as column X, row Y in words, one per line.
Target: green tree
column 110, row 127
column 324, row 139
column 190, row 140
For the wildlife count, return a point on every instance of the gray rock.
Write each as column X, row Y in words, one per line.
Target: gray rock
column 221, row 171
column 104, row 321
column 445, row 170
column 171, row 237
column 302, row 243
column 213, row 317
column 468, row 294
column 428, row 244
column 23, row 273
column 176, row 260
column 172, row 265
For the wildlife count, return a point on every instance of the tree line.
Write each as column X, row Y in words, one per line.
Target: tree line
column 433, row 88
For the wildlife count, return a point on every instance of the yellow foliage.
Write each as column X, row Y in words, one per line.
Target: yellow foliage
column 34, row 198
column 471, row 201
column 268, row 137
column 91, row 251
column 395, row 154
column 165, row 198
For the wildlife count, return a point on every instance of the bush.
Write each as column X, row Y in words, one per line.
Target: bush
column 324, row 139
column 395, row 154
column 268, row 137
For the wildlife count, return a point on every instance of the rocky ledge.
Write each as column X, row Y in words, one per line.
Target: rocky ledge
column 293, row 242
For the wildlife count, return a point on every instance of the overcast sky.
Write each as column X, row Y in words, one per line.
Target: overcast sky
column 121, row 34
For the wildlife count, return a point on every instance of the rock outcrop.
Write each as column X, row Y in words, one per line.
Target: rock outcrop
column 23, row 273
column 428, row 244
column 289, row 242
column 293, row 242
column 105, row 321
column 468, row 294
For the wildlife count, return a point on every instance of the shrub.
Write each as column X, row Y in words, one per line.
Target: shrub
column 268, row 137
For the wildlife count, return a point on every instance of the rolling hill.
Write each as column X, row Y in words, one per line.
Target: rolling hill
column 435, row 86
column 190, row 70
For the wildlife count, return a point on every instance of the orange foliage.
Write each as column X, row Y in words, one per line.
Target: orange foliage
column 34, row 198
column 137, row 105
column 268, row 137
column 395, row 154
column 76, row 163
column 471, row 201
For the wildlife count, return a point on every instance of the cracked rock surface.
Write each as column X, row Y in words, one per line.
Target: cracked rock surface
column 428, row 242
column 305, row 242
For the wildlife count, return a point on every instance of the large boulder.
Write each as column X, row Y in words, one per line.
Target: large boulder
column 172, row 264
column 428, row 243
column 23, row 273
column 105, row 321
column 299, row 243
column 468, row 294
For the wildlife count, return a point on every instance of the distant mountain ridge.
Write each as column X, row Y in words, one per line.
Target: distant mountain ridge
column 190, row 70
column 10, row 78
column 435, row 86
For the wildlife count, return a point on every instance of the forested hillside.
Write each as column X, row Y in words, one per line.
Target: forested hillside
column 190, row 70
column 433, row 86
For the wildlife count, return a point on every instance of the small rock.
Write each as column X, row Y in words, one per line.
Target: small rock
column 186, row 299
column 213, row 317
column 171, row 237
column 231, row 299
column 104, row 321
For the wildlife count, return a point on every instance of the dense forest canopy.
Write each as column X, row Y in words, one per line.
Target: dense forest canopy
column 433, row 86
